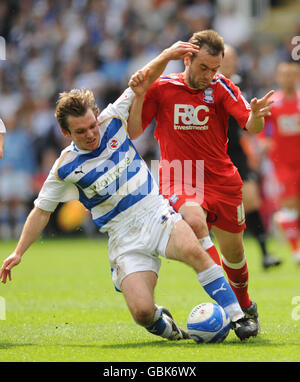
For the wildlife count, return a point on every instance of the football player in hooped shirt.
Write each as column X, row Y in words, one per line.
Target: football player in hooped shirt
column 191, row 110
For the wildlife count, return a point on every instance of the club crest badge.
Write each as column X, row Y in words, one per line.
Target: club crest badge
column 113, row 144
column 208, row 95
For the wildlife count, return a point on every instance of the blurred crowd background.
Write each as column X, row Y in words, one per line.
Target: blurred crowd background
column 56, row 45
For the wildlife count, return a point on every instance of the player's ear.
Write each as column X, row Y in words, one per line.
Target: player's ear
column 66, row 133
column 187, row 60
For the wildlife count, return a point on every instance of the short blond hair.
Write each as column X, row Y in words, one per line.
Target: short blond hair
column 211, row 40
column 75, row 103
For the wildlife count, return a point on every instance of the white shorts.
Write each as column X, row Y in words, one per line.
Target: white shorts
column 137, row 246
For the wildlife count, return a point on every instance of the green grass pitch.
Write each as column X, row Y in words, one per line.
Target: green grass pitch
column 61, row 307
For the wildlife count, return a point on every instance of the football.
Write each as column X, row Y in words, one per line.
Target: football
column 208, row 323
column 71, row 215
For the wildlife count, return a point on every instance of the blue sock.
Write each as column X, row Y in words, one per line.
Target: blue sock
column 217, row 287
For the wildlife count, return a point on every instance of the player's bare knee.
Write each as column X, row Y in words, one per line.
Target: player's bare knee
column 197, row 224
column 235, row 253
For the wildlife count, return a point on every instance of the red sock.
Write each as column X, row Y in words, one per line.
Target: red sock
column 291, row 232
column 238, row 280
column 209, row 247
column 213, row 253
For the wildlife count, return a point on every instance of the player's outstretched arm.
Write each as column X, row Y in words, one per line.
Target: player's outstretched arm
column 33, row 227
column 260, row 108
column 141, row 81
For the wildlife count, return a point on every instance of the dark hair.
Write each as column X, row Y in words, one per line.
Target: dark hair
column 209, row 39
column 75, row 103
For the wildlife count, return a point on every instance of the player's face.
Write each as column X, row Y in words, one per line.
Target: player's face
column 288, row 76
column 229, row 63
column 84, row 131
column 200, row 71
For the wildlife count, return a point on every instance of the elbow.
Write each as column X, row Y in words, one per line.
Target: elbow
column 134, row 133
column 134, row 136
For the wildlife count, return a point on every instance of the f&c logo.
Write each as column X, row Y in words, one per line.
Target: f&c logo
column 190, row 115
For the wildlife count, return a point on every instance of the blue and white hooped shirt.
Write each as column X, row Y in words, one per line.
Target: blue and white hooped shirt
column 111, row 181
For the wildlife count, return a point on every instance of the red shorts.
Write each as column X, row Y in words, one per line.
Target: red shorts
column 288, row 177
column 224, row 204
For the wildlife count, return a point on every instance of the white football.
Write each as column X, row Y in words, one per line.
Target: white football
column 209, row 323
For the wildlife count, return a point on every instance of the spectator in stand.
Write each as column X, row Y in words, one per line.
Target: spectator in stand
column 16, row 171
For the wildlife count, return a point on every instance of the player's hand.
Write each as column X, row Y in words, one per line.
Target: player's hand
column 262, row 107
column 140, row 82
column 181, row 49
column 7, row 265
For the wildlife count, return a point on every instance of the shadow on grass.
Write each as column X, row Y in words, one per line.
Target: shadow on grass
column 10, row 345
column 257, row 342
column 253, row 343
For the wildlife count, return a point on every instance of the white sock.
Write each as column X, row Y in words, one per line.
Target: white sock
column 206, row 242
